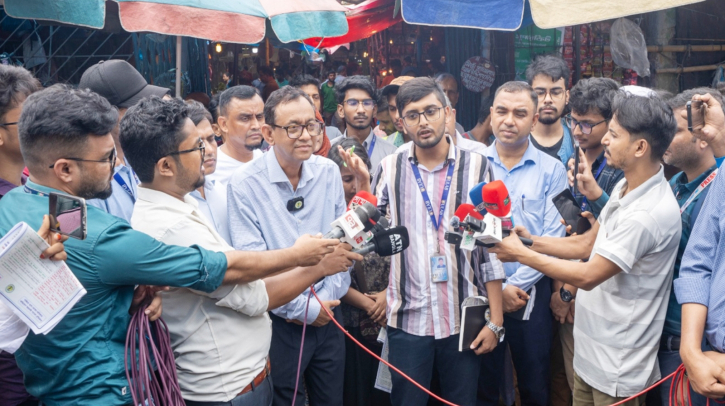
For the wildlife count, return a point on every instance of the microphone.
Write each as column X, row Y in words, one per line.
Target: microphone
column 456, row 239
column 353, row 222
column 471, row 219
column 387, row 243
column 498, row 203
column 361, row 198
column 476, row 195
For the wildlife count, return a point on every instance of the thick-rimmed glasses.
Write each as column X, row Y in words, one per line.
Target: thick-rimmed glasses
column 368, row 104
column 110, row 160
column 294, row 131
column 199, row 147
column 586, row 127
column 556, row 93
column 412, row 118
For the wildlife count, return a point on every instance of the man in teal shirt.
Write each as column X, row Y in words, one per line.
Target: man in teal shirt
column 65, row 137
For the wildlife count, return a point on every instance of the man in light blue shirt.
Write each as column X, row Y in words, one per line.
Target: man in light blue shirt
column 286, row 193
column 533, row 178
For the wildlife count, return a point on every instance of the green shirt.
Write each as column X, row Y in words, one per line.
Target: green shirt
column 329, row 98
column 81, row 361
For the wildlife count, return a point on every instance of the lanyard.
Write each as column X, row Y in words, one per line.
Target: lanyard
column 585, row 202
column 122, row 182
column 699, row 190
column 372, row 146
column 34, row 192
column 444, row 196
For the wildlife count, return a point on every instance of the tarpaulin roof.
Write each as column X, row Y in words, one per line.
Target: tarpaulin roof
column 239, row 21
column 364, row 20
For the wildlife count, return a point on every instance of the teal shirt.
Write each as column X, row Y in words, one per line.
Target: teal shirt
column 81, row 361
column 682, row 192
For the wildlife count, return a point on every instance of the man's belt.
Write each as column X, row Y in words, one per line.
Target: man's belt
column 257, row 380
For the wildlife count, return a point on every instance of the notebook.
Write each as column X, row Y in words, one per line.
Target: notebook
column 474, row 313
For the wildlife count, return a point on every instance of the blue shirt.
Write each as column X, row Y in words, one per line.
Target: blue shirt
column 567, row 144
column 120, row 203
column 81, row 361
column 683, row 190
column 531, row 183
column 259, row 219
column 214, row 207
column 702, row 271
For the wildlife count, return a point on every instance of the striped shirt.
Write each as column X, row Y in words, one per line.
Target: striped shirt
column 416, row 304
column 619, row 323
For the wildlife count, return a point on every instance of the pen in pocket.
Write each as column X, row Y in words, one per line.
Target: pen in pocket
column 523, row 199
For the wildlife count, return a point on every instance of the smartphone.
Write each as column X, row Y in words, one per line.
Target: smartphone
column 576, row 167
column 695, row 114
column 67, row 215
column 571, row 212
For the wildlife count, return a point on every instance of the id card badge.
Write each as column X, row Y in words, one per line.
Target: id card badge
column 439, row 269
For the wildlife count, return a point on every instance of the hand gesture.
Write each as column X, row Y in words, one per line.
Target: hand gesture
column 323, row 318
column 56, row 251
column 377, row 313
column 358, row 168
column 149, row 296
column 485, row 342
column 586, row 184
column 310, row 250
column 513, row 299
column 339, row 260
column 713, row 130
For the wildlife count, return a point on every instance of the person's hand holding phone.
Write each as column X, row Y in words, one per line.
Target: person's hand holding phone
column 586, row 183
column 713, row 117
column 56, row 251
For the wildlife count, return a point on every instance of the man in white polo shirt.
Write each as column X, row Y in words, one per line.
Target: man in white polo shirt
column 631, row 251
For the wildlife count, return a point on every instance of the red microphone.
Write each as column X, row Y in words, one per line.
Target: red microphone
column 361, row 198
column 496, row 198
column 467, row 210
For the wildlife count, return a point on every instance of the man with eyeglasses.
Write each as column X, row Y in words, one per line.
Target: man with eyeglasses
column 549, row 76
column 357, row 105
column 533, row 178
column 287, row 192
column 220, row 340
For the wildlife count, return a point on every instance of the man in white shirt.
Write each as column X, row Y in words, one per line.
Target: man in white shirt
column 220, row 340
column 241, row 116
column 631, row 249
column 212, row 197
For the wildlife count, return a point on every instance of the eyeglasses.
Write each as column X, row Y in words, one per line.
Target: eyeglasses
column 110, row 160
column 555, row 93
column 412, row 118
column 7, row 124
column 586, row 127
column 368, row 104
column 294, row 131
column 199, row 147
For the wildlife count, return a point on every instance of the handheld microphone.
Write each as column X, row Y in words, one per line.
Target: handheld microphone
column 476, row 195
column 361, row 198
column 456, row 239
column 387, row 243
column 496, row 199
column 468, row 217
column 353, row 222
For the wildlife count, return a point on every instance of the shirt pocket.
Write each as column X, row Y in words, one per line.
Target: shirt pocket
column 533, row 210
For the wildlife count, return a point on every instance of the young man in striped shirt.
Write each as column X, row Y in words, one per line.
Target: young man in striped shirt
column 420, row 188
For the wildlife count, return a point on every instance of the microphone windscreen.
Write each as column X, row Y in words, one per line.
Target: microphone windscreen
column 467, row 210
column 361, row 198
column 392, row 241
column 476, row 195
column 496, row 198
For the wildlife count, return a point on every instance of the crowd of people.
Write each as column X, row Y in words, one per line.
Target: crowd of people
column 211, row 217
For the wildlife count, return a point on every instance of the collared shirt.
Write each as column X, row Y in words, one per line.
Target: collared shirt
column 702, row 271
column 259, row 219
column 619, row 323
column 214, row 207
column 416, row 304
column 683, row 190
column 531, row 183
column 220, row 340
column 120, row 203
column 329, row 98
column 226, row 165
column 461, row 142
column 381, row 150
column 81, row 362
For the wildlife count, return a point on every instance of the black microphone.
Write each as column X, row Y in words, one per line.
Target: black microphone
column 456, row 238
column 356, row 220
column 387, row 243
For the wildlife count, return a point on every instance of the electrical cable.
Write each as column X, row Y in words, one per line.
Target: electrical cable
column 148, row 345
column 302, row 344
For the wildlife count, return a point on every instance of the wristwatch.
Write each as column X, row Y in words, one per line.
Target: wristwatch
column 499, row 331
column 566, row 296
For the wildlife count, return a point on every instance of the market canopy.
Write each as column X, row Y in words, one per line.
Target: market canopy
column 507, row 15
column 365, row 20
column 237, row 21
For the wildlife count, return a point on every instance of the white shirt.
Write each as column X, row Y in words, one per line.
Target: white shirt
column 461, row 142
column 619, row 323
column 12, row 330
column 220, row 340
column 214, row 207
column 226, row 165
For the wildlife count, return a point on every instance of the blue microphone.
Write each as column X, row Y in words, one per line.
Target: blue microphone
column 476, row 195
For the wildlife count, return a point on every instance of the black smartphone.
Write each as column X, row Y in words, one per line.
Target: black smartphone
column 575, row 171
column 67, row 215
column 695, row 114
column 571, row 212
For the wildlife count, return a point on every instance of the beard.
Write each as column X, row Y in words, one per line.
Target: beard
column 551, row 118
column 95, row 190
column 351, row 123
column 430, row 142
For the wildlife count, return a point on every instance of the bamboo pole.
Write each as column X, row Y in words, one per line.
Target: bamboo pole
column 681, row 48
column 688, row 69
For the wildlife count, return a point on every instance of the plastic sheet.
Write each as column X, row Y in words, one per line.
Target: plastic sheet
column 628, row 47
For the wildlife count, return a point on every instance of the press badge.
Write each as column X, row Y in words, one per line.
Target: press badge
column 438, row 268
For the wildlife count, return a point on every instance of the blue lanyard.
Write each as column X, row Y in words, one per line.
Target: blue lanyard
column 444, row 197
column 371, row 146
column 122, row 182
column 585, row 202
